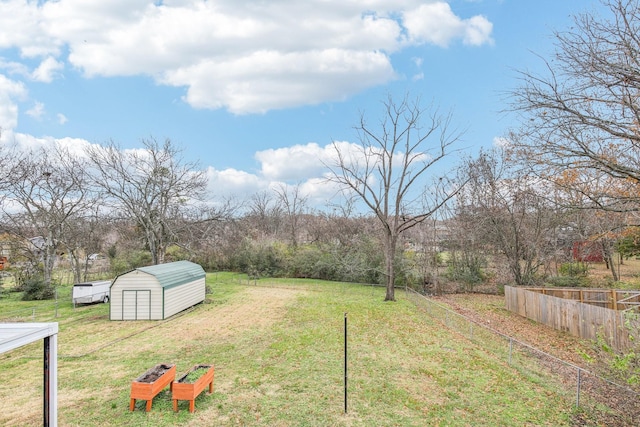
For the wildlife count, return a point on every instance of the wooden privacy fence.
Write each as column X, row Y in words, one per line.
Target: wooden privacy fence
column 587, row 313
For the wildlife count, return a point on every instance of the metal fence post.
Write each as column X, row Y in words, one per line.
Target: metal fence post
column 345, row 363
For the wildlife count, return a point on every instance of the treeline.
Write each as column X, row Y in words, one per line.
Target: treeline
column 560, row 189
column 505, row 225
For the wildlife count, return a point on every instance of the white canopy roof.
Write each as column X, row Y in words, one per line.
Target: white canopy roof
column 14, row 335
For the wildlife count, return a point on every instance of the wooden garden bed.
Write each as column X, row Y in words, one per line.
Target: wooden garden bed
column 152, row 382
column 191, row 384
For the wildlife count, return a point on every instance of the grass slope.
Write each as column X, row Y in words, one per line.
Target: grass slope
column 278, row 353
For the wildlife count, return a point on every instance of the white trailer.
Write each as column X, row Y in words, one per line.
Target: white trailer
column 89, row 292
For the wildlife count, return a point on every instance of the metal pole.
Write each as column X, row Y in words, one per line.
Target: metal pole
column 47, row 384
column 345, row 363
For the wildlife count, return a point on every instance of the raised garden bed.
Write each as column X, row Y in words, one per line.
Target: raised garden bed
column 149, row 384
column 191, row 384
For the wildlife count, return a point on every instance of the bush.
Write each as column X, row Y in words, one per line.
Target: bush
column 573, row 269
column 311, row 261
column 567, row 281
column 129, row 261
column 623, row 366
column 467, row 269
column 258, row 260
column 35, row 289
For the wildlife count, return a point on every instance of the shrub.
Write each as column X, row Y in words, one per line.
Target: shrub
column 567, row 281
column 622, row 366
column 128, row 261
column 466, row 268
column 573, row 269
column 35, row 289
column 258, row 259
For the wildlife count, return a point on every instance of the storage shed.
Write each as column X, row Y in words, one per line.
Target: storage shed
column 157, row 292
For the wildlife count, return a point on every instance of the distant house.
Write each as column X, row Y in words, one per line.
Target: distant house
column 157, row 292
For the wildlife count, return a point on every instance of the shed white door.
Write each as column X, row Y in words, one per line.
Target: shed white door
column 136, row 305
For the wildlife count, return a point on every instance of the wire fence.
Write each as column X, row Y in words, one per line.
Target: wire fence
column 614, row 404
column 41, row 313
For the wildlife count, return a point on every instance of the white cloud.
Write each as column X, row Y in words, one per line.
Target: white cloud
column 10, row 91
column 500, row 141
column 14, row 68
column 47, row 70
column 270, row 80
column 295, row 163
column 77, row 146
column 478, row 31
column 247, row 56
column 319, row 191
column 22, row 25
column 37, row 111
column 24, row 141
column 437, row 24
column 234, row 183
column 62, row 119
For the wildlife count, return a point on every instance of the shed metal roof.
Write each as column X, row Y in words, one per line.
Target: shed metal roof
column 174, row 273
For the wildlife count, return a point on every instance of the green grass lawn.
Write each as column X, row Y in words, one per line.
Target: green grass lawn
column 278, row 352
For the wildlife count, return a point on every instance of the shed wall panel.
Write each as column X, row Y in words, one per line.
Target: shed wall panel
column 184, row 296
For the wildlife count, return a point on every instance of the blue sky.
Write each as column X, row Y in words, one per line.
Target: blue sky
column 256, row 90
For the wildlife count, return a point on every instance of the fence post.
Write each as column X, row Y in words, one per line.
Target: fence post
column 345, row 363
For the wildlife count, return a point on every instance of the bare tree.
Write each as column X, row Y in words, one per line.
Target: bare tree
column 264, row 214
column 505, row 211
column 389, row 165
column 150, row 186
column 583, row 114
column 202, row 230
column 83, row 235
column 47, row 188
column 293, row 203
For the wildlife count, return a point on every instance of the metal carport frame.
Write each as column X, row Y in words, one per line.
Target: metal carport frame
column 14, row 335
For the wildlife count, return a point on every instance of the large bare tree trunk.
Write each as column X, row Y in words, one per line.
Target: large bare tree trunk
column 389, row 259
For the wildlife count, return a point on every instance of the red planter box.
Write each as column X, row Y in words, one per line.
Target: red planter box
column 183, row 390
column 149, row 384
